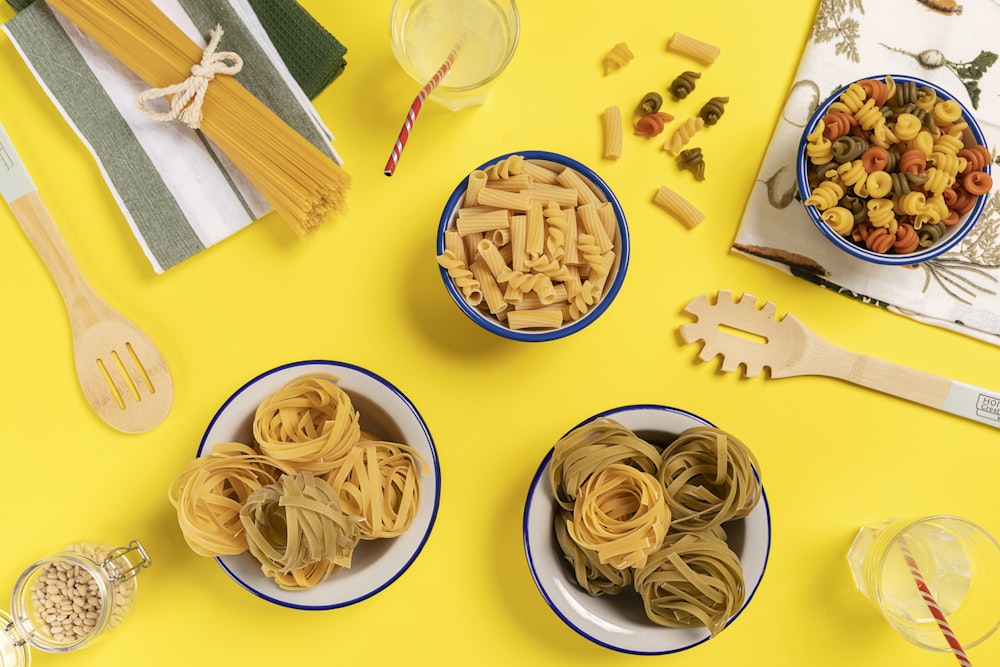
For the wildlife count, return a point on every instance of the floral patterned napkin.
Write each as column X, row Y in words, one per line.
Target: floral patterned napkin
column 950, row 44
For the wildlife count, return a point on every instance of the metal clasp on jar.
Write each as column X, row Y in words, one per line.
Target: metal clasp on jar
column 125, row 562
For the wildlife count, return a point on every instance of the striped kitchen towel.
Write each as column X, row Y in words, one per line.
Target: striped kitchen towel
column 177, row 191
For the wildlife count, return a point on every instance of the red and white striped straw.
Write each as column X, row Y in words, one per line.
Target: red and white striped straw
column 932, row 605
column 418, row 103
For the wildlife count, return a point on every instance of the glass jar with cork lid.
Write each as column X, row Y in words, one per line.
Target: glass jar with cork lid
column 63, row 602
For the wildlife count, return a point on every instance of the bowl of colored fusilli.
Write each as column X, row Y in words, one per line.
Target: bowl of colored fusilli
column 533, row 246
column 893, row 169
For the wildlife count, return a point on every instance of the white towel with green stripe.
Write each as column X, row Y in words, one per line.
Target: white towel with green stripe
column 177, row 191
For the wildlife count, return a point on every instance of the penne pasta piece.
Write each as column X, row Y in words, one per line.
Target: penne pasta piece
column 544, row 318
column 539, row 173
column 490, row 254
column 612, row 120
column 571, row 179
column 692, row 48
column 679, row 207
column 519, row 242
column 594, row 226
column 535, row 242
column 488, row 284
column 482, row 222
column 477, row 181
column 546, row 192
column 514, row 201
column 512, row 184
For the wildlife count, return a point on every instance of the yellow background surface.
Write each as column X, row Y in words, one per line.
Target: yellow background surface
column 366, row 290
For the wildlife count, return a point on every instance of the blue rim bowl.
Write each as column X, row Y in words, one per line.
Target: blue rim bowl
column 386, row 412
column 618, row 622
column 952, row 237
column 613, row 286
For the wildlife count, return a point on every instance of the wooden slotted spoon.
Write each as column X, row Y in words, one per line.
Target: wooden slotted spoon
column 123, row 375
column 743, row 334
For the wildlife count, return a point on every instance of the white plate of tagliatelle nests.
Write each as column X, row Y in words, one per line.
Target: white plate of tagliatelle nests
column 315, row 486
column 632, row 544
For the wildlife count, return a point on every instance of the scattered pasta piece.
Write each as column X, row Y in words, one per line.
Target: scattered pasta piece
column 683, row 84
column 692, row 48
column 713, row 110
column 692, row 160
column 619, row 56
column 679, row 207
column 652, row 124
column 651, row 103
column 683, row 134
column 612, row 120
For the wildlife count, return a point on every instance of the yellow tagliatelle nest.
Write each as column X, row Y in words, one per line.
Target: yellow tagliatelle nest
column 297, row 530
column 378, row 484
column 591, row 574
column 709, row 478
column 310, row 423
column 591, row 447
column 210, row 491
column 693, row 579
column 621, row 515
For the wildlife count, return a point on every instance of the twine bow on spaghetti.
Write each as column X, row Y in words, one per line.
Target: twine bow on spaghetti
column 187, row 97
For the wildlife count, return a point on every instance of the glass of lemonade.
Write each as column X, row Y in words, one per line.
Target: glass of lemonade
column 957, row 559
column 423, row 33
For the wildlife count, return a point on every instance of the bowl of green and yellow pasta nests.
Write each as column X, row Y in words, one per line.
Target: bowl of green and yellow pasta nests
column 646, row 529
column 533, row 246
column 894, row 170
column 315, row 485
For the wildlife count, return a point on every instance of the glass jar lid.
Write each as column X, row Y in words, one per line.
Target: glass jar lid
column 14, row 652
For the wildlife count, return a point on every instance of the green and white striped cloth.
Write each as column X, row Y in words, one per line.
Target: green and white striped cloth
column 177, row 191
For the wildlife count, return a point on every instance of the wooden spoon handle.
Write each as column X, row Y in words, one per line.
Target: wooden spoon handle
column 21, row 194
column 934, row 391
column 82, row 303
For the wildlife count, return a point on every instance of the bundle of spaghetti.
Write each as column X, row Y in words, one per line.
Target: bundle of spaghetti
column 591, row 447
column 591, row 574
column 694, row 579
column 297, row 179
column 297, row 530
column 379, row 487
column 621, row 515
column 309, row 424
column 709, row 476
column 210, row 491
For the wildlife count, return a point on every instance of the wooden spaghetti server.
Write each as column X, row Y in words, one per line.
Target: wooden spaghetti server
column 743, row 334
column 123, row 375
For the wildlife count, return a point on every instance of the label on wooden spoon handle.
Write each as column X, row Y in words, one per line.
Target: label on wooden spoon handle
column 973, row 403
column 14, row 179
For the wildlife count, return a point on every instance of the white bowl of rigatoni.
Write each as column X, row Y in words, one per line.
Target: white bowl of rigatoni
column 533, row 246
